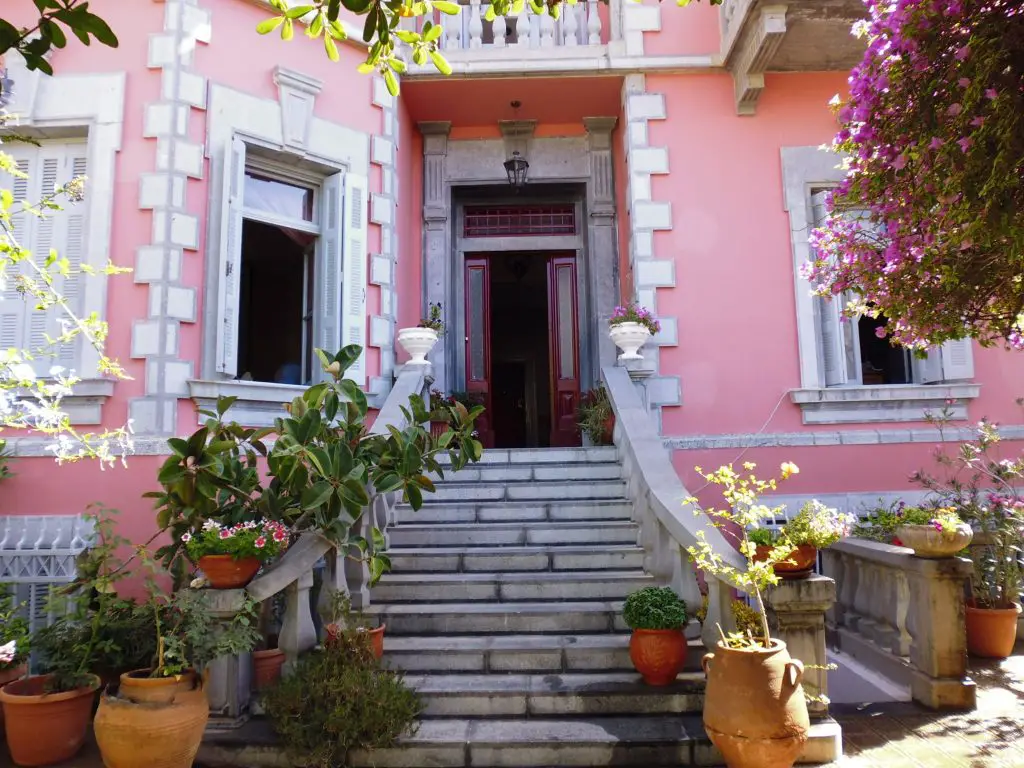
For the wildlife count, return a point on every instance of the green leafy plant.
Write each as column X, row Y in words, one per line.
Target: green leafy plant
column 263, row 539
column 748, row 622
column 742, row 513
column 433, row 319
column 593, row 415
column 339, row 699
column 654, row 608
column 765, row 537
column 879, row 522
column 817, row 525
column 14, row 631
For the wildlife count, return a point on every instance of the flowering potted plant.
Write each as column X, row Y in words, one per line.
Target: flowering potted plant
column 815, row 527
column 595, row 416
column 933, row 533
column 14, row 644
column 420, row 340
column 230, row 556
column 657, row 647
column 344, row 618
column 631, row 326
column 755, row 711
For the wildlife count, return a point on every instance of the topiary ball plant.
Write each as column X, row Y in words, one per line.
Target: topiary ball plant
column 655, row 608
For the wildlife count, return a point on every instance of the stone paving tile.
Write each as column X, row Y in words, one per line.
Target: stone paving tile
column 907, row 736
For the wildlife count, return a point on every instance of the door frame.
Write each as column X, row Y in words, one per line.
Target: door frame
column 587, row 329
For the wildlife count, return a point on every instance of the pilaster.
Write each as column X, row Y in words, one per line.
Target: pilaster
column 436, row 228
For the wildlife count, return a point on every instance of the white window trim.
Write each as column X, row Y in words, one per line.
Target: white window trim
column 331, row 148
column 77, row 106
column 805, row 169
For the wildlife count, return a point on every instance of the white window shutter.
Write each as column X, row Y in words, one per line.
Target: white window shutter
column 13, row 308
column 833, row 355
column 232, row 191
column 73, row 249
column 329, row 278
column 354, row 268
column 818, row 207
column 929, row 369
column 957, row 360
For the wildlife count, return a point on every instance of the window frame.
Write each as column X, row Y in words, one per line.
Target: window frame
column 806, row 170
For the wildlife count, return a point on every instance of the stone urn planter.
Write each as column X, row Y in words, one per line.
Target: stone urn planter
column 799, row 564
column 927, row 541
column 629, row 337
column 45, row 728
column 658, row 654
column 157, row 722
column 225, row 572
column 755, row 711
column 417, row 342
column 991, row 632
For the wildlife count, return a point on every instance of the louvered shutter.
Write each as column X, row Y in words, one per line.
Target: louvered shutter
column 232, row 193
column 354, row 269
column 327, row 332
column 833, row 357
column 13, row 308
column 957, row 360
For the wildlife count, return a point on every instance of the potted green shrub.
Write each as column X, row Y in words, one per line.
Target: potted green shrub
column 814, row 527
column 657, row 646
column 14, row 643
column 595, row 417
column 755, row 711
column 344, row 618
column 340, row 699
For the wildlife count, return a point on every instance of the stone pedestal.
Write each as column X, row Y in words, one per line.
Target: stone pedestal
column 796, row 614
column 228, row 679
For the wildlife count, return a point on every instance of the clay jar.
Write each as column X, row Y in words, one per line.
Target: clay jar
column 755, row 712
column 658, row 654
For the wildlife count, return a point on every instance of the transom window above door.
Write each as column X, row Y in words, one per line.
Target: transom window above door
column 519, row 220
column 293, row 269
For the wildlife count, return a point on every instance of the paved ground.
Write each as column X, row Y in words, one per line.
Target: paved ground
column 900, row 735
column 906, row 736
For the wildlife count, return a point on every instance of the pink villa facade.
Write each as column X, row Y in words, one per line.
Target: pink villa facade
column 268, row 200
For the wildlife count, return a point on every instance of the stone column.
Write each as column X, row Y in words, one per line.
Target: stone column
column 436, row 243
column 796, row 614
column 602, row 242
column 229, row 678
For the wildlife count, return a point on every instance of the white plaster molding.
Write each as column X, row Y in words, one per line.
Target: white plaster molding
column 258, row 404
column 804, row 169
column 297, row 93
column 809, row 438
column 883, row 403
column 588, row 60
column 332, row 148
column 84, row 406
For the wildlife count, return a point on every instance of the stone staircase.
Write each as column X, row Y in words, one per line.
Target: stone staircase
column 504, row 608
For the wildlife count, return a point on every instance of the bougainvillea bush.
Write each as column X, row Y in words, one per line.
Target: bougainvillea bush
column 933, row 130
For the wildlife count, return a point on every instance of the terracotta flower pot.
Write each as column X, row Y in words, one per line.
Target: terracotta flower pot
column 755, row 712
column 438, row 428
column 799, row 564
column 991, row 632
column 376, row 637
column 266, row 667
column 224, row 572
column 154, row 723
column 929, row 542
column 45, row 728
column 9, row 676
column 658, row 654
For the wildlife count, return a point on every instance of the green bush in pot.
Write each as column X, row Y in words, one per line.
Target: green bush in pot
column 657, row 646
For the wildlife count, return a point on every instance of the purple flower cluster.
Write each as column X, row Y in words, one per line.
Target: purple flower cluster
column 634, row 313
column 930, row 130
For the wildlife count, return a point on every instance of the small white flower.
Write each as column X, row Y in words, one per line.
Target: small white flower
column 8, row 652
column 211, row 525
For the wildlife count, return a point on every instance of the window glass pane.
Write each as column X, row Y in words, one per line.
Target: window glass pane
column 476, row 330
column 278, row 197
column 565, row 330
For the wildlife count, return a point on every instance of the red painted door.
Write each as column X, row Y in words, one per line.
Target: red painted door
column 564, row 350
column 478, row 341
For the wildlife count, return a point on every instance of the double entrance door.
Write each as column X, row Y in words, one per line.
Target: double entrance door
column 522, row 347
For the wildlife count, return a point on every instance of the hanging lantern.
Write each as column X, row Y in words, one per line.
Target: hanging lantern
column 517, row 168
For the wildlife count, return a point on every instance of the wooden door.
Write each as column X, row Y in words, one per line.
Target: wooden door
column 563, row 341
column 478, row 341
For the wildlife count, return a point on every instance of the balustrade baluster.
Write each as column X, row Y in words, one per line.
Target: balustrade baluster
column 514, row 24
column 500, row 28
column 570, row 24
column 593, row 22
column 298, row 632
column 534, row 29
column 452, row 33
column 476, row 25
column 334, row 582
column 547, row 31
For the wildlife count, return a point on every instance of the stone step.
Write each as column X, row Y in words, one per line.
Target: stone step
column 512, row 534
column 499, row 473
column 529, row 490
column 517, row 511
column 509, row 587
column 499, row 618
column 543, row 456
column 510, row 653
column 559, row 695
column 506, row 559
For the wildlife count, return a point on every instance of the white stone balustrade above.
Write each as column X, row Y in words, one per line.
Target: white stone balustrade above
column 903, row 616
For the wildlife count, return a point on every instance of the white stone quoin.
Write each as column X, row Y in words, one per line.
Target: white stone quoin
column 629, row 337
column 417, row 342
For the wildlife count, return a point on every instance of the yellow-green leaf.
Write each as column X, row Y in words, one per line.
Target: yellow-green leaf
column 446, row 7
column 288, row 30
column 316, row 26
column 331, row 47
column 299, row 11
column 268, row 26
column 391, row 81
column 441, row 63
column 366, row 68
column 337, row 30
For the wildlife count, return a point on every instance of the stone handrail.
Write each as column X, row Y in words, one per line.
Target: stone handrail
column 667, row 524
column 902, row 616
column 293, row 573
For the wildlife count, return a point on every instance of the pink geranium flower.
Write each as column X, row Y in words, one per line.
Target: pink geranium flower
column 261, row 542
